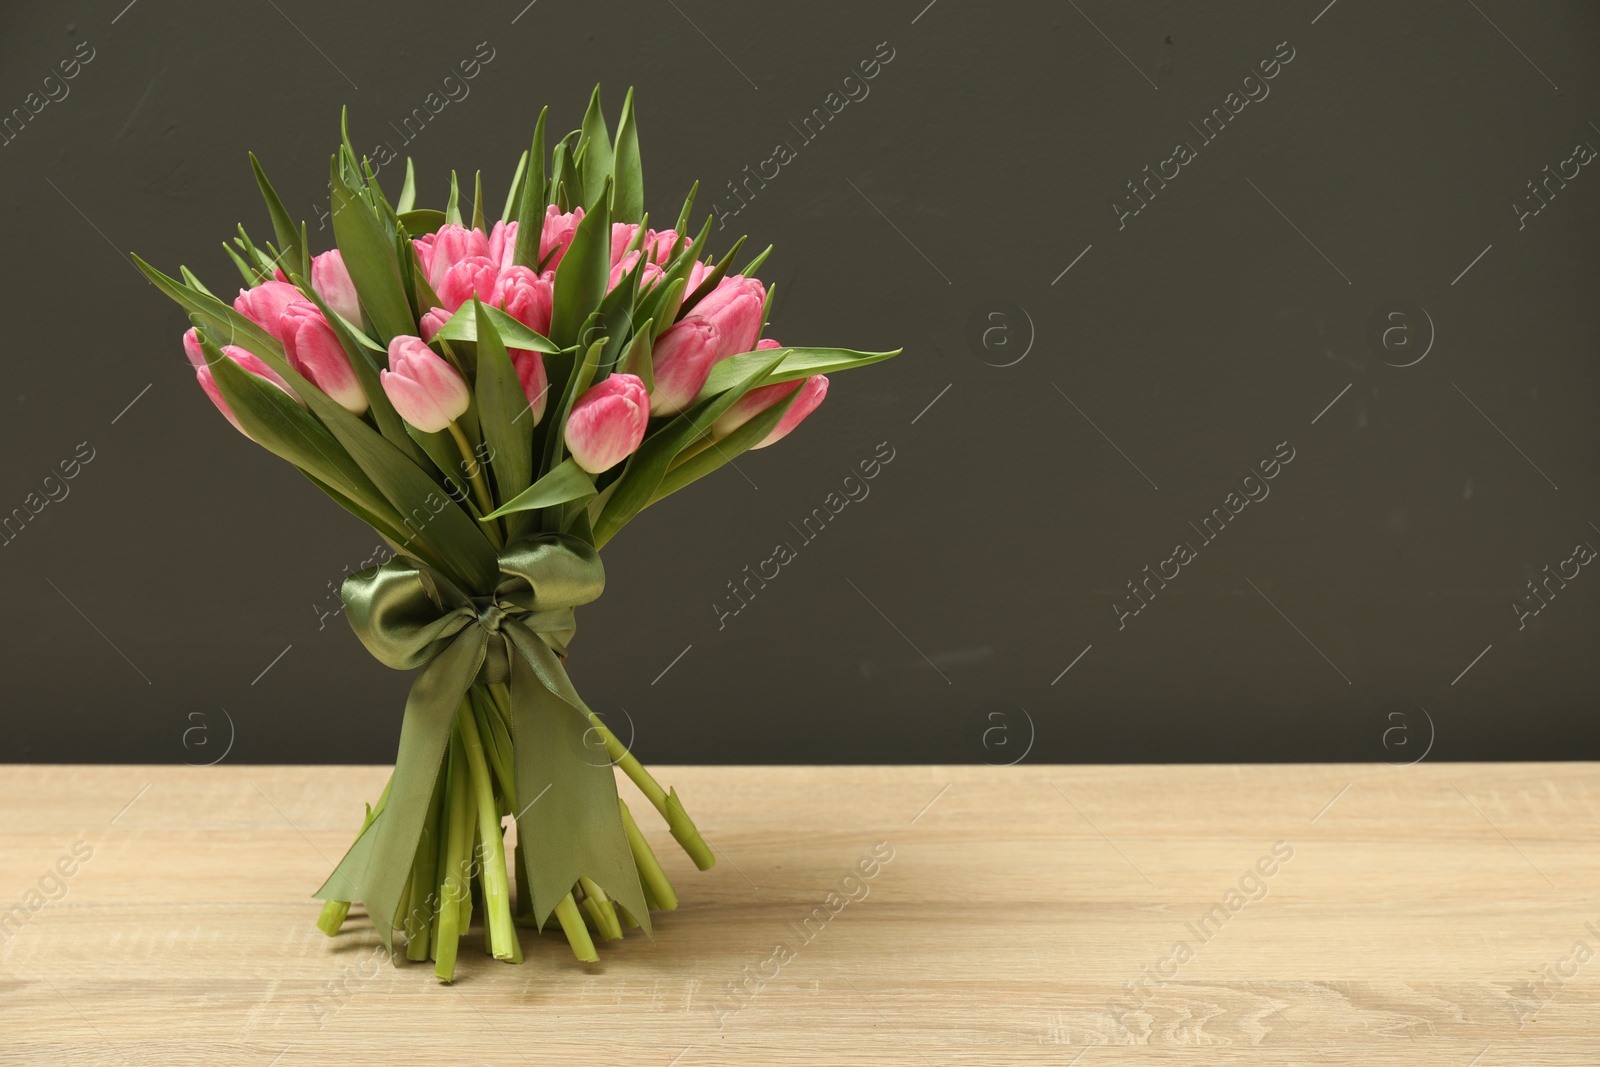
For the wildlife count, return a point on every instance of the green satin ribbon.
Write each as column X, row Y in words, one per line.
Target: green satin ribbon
column 570, row 824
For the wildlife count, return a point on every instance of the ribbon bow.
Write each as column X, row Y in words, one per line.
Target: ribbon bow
column 570, row 825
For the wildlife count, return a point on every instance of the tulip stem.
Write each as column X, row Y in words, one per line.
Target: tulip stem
column 666, row 802
column 474, row 471
column 496, row 894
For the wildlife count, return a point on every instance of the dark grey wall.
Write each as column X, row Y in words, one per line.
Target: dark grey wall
column 1079, row 385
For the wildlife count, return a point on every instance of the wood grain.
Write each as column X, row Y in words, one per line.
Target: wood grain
column 1425, row 916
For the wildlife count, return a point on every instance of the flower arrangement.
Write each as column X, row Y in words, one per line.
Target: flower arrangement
column 497, row 402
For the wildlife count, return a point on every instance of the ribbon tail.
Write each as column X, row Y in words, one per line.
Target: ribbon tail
column 570, row 824
column 378, row 866
column 345, row 881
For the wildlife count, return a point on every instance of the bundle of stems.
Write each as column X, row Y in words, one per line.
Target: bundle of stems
column 460, row 862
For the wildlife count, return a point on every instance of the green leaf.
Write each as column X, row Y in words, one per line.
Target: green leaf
column 797, row 363
column 441, row 523
column 368, row 252
column 478, row 222
column 567, row 481
column 597, row 154
column 193, row 282
column 228, row 325
column 728, row 449
column 423, row 220
column 627, row 203
column 688, row 206
column 289, row 246
column 463, row 326
column 650, row 464
column 408, row 191
column 635, row 359
column 750, row 268
column 565, row 189
column 535, row 197
column 500, row 402
column 615, row 315
column 263, row 263
column 452, row 209
column 514, row 194
column 251, row 276
column 666, row 308
column 393, row 538
column 279, row 424
column 580, row 283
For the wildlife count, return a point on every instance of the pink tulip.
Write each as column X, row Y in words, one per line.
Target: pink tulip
column 647, row 277
column 192, row 349
column 332, row 282
column 735, row 307
column 264, row 304
column 469, row 277
column 557, row 234
column 607, row 422
column 249, row 361
column 503, row 244
column 810, row 398
column 659, row 242
column 665, row 244
column 314, row 350
column 754, row 402
column 438, row 252
column 432, row 322
column 535, row 385
column 680, row 362
column 525, row 296
column 621, row 234
column 697, row 274
column 427, row 392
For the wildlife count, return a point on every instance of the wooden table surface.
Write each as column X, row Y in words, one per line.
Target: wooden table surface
column 1435, row 914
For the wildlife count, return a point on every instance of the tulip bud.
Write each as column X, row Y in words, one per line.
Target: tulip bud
column 525, row 296
column 735, row 307
column 664, row 244
column 754, row 402
column 264, row 304
column 557, row 234
column 621, row 234
column 438, row 252
column 469, row 277
column 332, row 282
column 535, row 385
column 250, row 362
column 192, row 349
column 503, row 244
column 314, row 350
column 432, row 322
column 697, row 274
column 427, row 392
column 607, row 423
column 810, row 398
column 680, row 362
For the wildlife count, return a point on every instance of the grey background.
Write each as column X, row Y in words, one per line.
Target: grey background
column 167, row 609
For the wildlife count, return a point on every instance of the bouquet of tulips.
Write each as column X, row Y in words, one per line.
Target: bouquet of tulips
column 497, row 401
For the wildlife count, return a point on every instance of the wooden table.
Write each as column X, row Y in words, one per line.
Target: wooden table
column 1435, row 914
